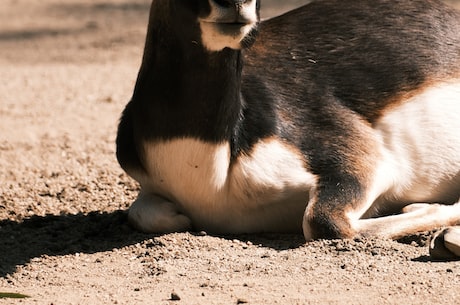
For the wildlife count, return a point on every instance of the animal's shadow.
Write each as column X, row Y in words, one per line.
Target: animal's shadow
column 60, row 235
column 89, row 233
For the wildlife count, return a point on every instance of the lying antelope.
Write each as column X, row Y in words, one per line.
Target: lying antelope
column 333, row 118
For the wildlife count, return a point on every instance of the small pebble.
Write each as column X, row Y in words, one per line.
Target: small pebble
column 175, row 297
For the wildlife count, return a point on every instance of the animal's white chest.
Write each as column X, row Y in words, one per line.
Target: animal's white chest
column 200, row 179
column 187, row 168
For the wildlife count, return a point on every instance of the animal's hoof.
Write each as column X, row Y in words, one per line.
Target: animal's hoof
column 153, row 214
column 445, row 244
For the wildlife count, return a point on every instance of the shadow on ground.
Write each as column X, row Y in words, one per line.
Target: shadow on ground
column 91, row 233
column 61, row 235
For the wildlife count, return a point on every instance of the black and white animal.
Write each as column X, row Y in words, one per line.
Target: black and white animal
column 335, row 119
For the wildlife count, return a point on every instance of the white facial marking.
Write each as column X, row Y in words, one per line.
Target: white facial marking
column 212, row 35
column 214, row 40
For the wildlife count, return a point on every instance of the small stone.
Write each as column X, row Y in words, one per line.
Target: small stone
column 175, row 296
column 241, row 301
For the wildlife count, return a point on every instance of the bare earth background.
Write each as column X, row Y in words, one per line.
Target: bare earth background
column 67, row 68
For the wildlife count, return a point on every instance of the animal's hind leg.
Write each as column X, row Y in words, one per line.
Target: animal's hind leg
column 153, row 214
column 416, row 218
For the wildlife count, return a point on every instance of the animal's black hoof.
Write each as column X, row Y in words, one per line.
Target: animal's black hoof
column 445, row 244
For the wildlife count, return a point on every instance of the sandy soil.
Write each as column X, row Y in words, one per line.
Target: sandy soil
column 67, row 68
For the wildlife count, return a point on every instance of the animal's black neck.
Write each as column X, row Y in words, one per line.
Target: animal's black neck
column 184, row 90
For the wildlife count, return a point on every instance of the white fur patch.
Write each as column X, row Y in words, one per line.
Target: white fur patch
column 154, row 214
column 214, row 39
column 420, row 149
column 419, row 142
column 266, row 190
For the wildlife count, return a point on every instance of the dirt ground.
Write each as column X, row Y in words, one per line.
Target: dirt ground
column 67, row 68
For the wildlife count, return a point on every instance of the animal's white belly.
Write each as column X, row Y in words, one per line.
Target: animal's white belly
column 266, row 190
column 420, row 145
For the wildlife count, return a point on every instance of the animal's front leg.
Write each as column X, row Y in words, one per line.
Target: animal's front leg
column 328, row 212
column 153, row 214
column 329, row 220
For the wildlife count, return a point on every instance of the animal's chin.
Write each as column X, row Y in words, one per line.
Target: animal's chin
column 219, row 35
column 231, row 29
